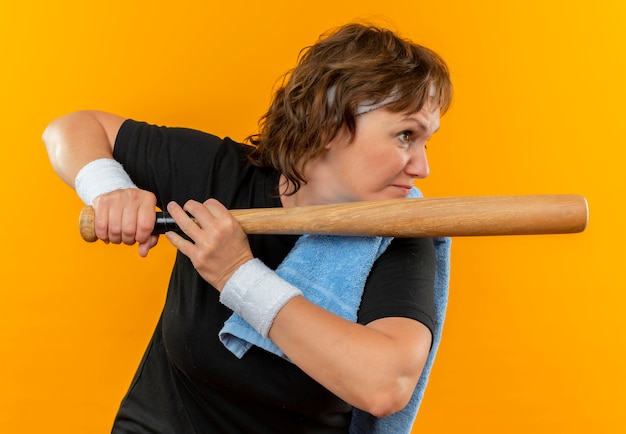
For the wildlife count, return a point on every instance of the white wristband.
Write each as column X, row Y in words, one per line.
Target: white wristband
column 100, row 177
column 257, row 294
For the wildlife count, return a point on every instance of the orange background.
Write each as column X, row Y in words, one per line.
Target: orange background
column 534, row 340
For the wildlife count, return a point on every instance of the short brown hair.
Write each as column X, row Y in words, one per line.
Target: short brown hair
column 361, row 64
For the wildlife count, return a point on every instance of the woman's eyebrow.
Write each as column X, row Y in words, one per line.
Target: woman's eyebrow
column 422, row 125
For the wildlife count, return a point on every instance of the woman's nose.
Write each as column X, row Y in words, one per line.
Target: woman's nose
column 417, row 166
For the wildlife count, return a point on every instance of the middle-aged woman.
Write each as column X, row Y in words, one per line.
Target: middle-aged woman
column 350, row 123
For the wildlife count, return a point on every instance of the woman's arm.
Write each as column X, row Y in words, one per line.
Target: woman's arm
column 124, row 215
column 374, row 368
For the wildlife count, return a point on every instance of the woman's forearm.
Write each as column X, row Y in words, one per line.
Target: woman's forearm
column 374, row 367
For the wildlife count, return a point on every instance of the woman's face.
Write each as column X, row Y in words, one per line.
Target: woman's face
column 386, row 155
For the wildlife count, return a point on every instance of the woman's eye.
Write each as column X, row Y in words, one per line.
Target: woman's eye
column 405, row 137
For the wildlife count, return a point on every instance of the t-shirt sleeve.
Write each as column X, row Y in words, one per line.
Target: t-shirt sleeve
column 401, row 283
column 179, row 163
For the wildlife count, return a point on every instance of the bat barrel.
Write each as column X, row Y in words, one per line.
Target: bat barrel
column 427, row 217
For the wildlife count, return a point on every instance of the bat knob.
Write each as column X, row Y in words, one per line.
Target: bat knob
column 86, row 224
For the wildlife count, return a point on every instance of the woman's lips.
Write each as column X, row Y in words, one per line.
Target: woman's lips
column 406, row 189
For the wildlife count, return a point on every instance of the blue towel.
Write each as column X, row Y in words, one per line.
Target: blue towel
column 331, row 272
column 402, row 421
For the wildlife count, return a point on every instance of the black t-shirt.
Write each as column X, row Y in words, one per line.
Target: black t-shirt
column 188, row 382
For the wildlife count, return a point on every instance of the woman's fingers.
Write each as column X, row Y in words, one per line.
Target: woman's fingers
column 184, row 221
column 187, row 226
column 144, row 248
column 125, row 216
column 218, row 245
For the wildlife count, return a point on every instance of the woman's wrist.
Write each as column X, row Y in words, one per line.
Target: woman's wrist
column 100, row 177
column 256, row 293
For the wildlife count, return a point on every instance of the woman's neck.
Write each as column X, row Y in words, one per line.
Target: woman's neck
column 305, row 196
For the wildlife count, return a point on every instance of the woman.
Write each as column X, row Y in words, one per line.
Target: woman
column 350, row 123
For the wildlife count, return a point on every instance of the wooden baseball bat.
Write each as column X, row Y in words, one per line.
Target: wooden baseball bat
column 426, row 217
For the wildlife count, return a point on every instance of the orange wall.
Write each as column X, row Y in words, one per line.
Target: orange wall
column 535, row 335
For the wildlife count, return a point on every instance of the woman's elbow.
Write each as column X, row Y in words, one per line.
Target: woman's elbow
column 390, row 399
column 55, row 131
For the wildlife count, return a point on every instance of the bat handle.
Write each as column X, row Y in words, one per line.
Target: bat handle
column 86, row 224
